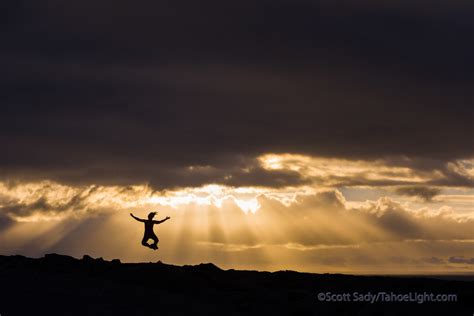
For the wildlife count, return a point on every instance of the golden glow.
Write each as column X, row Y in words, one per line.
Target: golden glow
column 330, row 169
column 311, row 228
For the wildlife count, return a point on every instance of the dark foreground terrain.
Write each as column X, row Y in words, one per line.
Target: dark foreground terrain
column 62, row 285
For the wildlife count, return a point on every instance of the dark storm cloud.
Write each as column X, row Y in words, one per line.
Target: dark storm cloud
column 426, row 193
column 461, row 260
column 433, row 260
column 5, row 222
column 120, row 92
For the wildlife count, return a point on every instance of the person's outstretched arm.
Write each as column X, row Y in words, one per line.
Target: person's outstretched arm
column 138, row 219
column 163, row 220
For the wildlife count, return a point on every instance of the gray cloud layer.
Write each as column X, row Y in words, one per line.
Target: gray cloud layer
column 461, row 260
column 426, row 193
column 107, row 92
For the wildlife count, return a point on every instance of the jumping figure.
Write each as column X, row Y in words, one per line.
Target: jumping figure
column 149, row 233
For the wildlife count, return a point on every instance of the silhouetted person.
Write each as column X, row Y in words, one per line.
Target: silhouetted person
column 149, row 233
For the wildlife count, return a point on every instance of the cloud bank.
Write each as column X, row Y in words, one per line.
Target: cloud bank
column 120, row 93
column 318, row 230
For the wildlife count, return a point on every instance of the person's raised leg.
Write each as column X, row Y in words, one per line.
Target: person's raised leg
column 144, row 242
column 155, row 242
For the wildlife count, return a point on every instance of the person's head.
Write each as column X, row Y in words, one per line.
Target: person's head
column 151, row 215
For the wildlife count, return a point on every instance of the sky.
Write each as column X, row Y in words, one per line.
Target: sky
column 309, row 135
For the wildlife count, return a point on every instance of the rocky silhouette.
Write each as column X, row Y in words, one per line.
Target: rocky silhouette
column 63, row 285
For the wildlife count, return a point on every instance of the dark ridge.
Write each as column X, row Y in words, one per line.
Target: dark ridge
column 62, row 285
column 210, row 267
